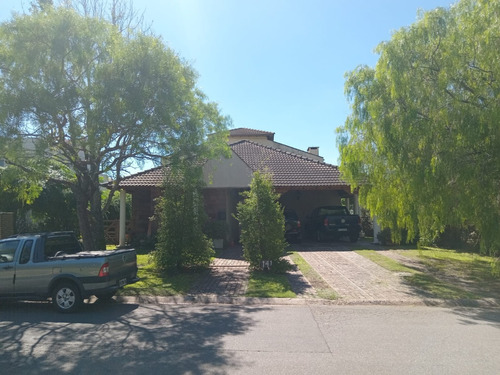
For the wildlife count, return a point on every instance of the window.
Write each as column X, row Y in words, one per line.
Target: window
column 8, row 250
column 26, row 252
column 65, row 243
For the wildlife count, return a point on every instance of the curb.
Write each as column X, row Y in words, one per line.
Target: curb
column 205, row 299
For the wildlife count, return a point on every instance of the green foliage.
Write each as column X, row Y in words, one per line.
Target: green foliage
column 53, row 208
column 181, row 241
column 423, row 137
column 82, row 97
column 112, row 211
column 262, row 222
column 215, row 229
column 384, row 236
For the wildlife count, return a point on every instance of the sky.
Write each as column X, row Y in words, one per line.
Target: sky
column 276, row 65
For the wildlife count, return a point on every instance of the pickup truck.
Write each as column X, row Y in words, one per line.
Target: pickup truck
column 53, row 265
column 333, row 222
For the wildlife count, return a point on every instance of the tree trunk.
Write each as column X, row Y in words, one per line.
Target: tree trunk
column 97, row 220
column 82, row 211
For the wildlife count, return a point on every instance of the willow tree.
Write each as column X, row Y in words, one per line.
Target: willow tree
column 82, row 97
column 423, row 140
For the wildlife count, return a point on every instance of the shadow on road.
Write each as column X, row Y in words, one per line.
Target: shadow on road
column 474, row 316
column 125, row 338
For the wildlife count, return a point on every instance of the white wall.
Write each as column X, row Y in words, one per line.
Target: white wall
column 227, row 173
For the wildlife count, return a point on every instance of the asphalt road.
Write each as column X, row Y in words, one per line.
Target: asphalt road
column 237, row 339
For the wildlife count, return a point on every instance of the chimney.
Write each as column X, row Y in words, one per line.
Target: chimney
column 313, row 150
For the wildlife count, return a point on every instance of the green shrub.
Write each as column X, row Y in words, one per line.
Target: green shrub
column 384, row 236
column 181, row 241
column 262, row 223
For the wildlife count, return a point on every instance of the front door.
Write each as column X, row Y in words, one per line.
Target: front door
column 7, row 266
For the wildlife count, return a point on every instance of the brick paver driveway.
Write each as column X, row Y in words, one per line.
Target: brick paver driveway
column 355, row 278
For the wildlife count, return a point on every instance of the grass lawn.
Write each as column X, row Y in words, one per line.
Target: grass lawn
column 474, row 272
column 323, row 290
column 269, row 285
column 444, row 274
column 386, row 262
column 153, row 283
column 472, row 266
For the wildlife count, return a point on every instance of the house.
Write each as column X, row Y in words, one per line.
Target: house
column 302, row 178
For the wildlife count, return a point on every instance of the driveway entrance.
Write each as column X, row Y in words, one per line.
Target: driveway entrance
column 355, row 278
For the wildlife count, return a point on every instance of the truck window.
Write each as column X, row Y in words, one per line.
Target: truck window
column 26, row 252
column 66, row 244
column 8, row 250
column 333, row 211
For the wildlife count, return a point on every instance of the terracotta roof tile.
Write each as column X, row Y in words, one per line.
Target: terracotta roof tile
column 151, row 177
column 288, row 169
column 245, row 132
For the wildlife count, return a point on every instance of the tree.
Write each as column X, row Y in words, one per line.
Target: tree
column 262, row 223
column 422, row 142
column 181, row 241
column 92, row 98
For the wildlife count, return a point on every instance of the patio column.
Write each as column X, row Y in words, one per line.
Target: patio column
column 229, row 229
column 357, row 211
column 123, row 211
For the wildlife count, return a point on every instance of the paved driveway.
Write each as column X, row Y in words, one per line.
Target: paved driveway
column 355, row 278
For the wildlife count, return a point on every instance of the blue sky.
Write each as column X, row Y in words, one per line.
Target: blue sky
column 276, row 65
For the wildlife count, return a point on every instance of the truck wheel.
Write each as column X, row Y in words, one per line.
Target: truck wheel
column 353, row 238
column 106, row 296
column 66, row 297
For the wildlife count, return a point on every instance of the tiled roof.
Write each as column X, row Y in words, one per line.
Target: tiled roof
column 246, row 132
column 288, row 169
column 151, row 177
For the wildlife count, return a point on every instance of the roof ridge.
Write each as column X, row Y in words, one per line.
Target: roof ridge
column 286, row 153
column 143, row 172
column 255, row 130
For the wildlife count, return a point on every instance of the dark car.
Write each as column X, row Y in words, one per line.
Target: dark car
column 333, row 222
column 292, row 226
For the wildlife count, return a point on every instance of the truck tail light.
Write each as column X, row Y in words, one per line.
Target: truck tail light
column 298, row 224
column 325, row 222
column 104, row 271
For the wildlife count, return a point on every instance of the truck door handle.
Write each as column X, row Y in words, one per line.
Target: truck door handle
column 8, row 267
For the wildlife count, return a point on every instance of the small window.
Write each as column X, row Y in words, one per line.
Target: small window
column 8, row 250
column 26, row 252
column 65, row 243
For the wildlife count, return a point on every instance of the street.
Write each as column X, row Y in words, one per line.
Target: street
column 128, row 338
